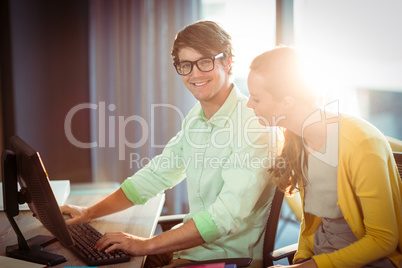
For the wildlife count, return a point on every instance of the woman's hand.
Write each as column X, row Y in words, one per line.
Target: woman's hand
column 133, row 245
column 78, row 214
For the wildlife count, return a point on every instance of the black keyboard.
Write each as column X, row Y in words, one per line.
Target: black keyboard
column 85, row 237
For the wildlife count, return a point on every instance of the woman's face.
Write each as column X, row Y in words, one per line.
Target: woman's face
column 266, row 108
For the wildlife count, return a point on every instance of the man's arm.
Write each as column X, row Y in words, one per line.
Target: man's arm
column 115, row 202
column 186, row 236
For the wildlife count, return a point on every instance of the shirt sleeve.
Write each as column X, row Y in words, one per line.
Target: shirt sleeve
column 162, row 172
column 206, row 226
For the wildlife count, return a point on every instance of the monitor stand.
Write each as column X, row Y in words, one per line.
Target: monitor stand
column 35, row 252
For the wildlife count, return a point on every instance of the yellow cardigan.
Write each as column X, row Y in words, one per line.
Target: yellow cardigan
column 369, row 195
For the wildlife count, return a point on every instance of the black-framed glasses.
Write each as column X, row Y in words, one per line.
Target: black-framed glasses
column 206, row 64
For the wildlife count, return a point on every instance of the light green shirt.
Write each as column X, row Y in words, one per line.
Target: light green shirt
column 225, row 160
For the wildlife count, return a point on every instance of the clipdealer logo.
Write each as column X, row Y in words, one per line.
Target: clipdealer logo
column 112, row 130
column 200, row 160
column 243, row 131
column 236, row 132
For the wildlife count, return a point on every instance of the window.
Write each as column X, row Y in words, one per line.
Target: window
column 252, row 27
column 357, row 43
column 360, row 42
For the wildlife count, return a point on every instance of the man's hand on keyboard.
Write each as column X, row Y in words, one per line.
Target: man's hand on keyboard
column 133, row 245
column 78, row 214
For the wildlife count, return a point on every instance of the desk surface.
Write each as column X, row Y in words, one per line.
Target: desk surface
column 140, row 220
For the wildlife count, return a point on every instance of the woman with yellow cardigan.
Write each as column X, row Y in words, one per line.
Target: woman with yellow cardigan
column 342, row 165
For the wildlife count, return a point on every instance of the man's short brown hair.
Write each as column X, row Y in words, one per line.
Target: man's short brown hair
column 206, row 37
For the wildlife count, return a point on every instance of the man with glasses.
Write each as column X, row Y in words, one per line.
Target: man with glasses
column 222, row 151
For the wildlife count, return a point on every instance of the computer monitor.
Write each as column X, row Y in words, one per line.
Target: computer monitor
column 22, row 164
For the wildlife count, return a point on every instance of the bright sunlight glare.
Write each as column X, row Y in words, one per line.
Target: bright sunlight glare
column 252, row 27
column 324, row 74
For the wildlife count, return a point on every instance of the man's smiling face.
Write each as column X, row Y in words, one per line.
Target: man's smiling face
column 205, row 86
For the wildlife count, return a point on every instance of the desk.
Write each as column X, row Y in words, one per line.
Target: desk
column 140, row 220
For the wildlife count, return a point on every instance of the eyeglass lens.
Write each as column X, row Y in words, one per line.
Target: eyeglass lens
column 204, row 65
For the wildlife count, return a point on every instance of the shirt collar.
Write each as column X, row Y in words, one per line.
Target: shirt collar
column 221, row 117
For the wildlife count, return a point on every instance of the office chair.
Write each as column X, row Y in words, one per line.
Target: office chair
column 396, row 145
column 269, row 254
column 398, row 160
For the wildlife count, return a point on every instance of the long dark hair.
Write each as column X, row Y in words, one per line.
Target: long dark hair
column 289, row 176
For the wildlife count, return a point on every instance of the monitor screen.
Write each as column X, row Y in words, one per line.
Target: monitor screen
column 36, row 190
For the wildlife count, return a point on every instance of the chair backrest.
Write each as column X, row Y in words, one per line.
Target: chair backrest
column 271, row 227
column 398, row 160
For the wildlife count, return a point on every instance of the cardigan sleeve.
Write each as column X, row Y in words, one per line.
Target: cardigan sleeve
column 309, row 225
